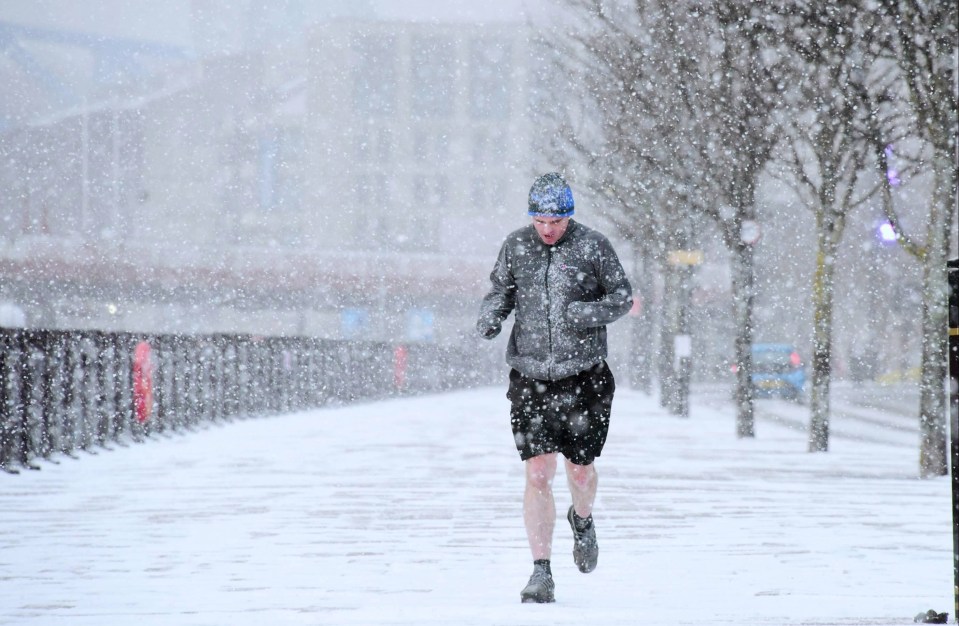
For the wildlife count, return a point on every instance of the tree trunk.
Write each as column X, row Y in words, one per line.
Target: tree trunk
column 822, row 342
column 932, row 392
column 667, row 321
column 641, row 360
column 743, row 296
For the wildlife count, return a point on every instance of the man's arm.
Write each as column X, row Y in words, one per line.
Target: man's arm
column 617, row 298
column 501, row 299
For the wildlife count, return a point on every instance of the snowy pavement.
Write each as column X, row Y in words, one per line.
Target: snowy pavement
column 408, row 512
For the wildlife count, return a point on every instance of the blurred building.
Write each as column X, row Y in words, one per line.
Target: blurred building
column 337, row 183
column 422, row 131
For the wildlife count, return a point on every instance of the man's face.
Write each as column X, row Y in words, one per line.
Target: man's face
column 550, row 229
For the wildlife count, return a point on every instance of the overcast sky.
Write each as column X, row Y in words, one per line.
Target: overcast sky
column 171, row 21
column 447, row 10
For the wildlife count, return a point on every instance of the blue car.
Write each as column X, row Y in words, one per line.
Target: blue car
column 778, row 371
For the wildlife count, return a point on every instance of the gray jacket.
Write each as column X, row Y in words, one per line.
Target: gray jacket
column 564, row 295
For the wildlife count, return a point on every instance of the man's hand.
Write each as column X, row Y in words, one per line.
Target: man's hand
column 581, row 313
column 490, row 329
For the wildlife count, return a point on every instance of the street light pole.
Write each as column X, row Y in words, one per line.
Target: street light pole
column 952, row 269
column 682, row 263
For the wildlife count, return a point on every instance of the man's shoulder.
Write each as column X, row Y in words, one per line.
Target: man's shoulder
column 584, row 232
column 519, row 236
column 522, row 232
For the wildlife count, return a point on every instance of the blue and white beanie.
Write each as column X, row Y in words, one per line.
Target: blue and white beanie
column 550, row 196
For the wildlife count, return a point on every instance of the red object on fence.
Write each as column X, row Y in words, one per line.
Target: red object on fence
column 142, row 381
column 399, row 366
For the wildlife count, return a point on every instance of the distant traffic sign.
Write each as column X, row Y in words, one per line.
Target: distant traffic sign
column 685, row 257
column 750, row 232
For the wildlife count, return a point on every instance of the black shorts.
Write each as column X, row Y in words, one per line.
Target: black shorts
column 570, row 416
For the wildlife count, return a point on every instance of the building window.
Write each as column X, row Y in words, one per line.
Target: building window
column 431, row 145
column 431, row 198
column 361, row 147
column 374, row 76
column 289, row 182
column 384, row 147
column 489, row 146
column 373, row 144
column 478, row 195
column 487, row 194
column 433, row 73
column 370, row 219
column 268, row 160
column 497, row 193
column 489, row 78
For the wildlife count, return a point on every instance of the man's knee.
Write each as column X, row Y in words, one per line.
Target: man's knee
column 540, row 471
column 581, row 475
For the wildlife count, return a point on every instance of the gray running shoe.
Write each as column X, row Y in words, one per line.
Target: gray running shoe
column 585, row 548
column 540, row 586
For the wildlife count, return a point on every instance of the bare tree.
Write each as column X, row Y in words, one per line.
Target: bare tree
column 824, row 158
column 686, row 98
column 732, row 93
column 921, row 40
column 599, row 134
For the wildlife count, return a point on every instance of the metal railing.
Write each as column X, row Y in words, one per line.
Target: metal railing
column 62, row 392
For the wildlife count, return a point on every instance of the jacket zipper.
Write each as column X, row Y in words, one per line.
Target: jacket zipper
column 549, row 325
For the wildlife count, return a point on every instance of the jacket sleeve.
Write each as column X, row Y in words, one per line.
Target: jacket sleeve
column 617, row 296
column 501, row 299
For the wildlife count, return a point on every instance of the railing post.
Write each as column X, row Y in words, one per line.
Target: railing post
column 33, row 364
column 102, row 367
column 90, row 393
column 69, row 423
column 9, row 398
column 61, row 391
column 54, row 381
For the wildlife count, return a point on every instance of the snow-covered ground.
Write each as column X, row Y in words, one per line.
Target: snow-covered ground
column 408, row 512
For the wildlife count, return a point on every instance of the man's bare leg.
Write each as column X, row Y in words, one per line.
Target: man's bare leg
column 582, row 480
column 539, row 507
column 539, row 514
